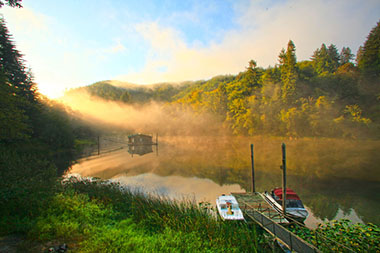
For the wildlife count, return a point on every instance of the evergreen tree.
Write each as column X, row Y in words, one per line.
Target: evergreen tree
column 12, row 3
column 369, row 62
column 289, row 72
column 13, row 121
column 253, row 75
column 12, row 65
column 325, row 60
column 345, row 55
column 333, row 58
column 359, row 55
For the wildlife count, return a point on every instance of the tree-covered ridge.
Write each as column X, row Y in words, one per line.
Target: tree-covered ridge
column 326, row 96
column 163, row 92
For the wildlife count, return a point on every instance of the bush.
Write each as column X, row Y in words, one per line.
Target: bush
column 27, row 184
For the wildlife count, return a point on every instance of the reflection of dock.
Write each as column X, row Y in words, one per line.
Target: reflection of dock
column 141, row 144
column 256, row 209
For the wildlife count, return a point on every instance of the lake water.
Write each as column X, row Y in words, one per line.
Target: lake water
column 334, row 178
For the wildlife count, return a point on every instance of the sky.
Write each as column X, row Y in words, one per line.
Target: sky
column 74, row 43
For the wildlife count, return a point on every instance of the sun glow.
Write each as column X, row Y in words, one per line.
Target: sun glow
column 52, row 92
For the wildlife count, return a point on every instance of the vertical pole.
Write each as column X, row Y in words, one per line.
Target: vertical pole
column 284, row 178
column 253, row 170
column 98, row 145
column 156, row 144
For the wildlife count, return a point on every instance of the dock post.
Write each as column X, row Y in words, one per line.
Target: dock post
column 253, row 170
column 98, row 145
column 284, row 178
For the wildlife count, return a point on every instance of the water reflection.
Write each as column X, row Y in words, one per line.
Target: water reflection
column 334, row 179
column 177, row 187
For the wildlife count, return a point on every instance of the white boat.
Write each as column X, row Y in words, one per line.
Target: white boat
column 294, row 206
column 228, row 208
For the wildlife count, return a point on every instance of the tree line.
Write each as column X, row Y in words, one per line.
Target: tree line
column 326, row 96
column 330, row 95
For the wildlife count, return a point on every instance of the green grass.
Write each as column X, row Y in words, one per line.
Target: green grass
column 94, row 216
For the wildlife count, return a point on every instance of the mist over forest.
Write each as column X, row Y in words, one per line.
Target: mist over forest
column 331, row 95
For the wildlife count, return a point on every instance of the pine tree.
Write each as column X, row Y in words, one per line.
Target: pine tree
column 332, row 51
column 253, row 75
column 289, row 72
column 13, row 120
column 345, row 55
column 12, row 65
column 325, row 60
column 12, row 3
column 359, row 55
column 369, row 62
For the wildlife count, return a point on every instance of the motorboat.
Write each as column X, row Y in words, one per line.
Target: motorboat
column 294, row 207
column 228, row 208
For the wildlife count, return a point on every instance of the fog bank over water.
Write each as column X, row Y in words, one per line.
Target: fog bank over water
column 153, row 117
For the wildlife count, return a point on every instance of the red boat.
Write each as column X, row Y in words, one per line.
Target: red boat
column 294, row 206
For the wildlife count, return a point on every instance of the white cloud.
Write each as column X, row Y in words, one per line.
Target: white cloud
column 57, row 60
column 264, row 30
column 25, row 19
column 118, row 48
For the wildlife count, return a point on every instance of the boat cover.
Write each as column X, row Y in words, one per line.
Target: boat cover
column 290, row 194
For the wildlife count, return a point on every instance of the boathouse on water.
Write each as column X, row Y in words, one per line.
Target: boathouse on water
column 140, row 144
column 140, row 139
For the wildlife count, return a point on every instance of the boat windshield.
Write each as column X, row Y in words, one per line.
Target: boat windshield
column 233, row 206
column 294, row 203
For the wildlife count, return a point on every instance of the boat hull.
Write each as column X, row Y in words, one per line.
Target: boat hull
column 298, row 214
column 226, row 214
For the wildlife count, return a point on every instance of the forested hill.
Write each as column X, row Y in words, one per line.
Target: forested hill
column 133, row 93
column 330, row 95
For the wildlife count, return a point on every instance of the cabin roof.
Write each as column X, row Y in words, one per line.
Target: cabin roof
column 228, row 198
column 290, row 194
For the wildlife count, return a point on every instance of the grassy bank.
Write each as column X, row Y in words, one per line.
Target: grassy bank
column 93, row 216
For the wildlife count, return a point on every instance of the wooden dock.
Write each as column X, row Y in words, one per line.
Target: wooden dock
column 252, row 202
column 255, row 208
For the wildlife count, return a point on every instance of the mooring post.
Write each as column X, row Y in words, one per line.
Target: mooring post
column 156, row 144
column 253, row 170
column 284, row 178
column 98, row 145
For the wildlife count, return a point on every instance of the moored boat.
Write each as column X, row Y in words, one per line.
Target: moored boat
column 228, row 208
column 294, row 207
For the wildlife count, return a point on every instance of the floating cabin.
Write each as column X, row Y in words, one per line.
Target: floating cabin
column 140, row 144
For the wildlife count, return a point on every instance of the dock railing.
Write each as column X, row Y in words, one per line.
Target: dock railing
column 257, row 209
column 285, row 236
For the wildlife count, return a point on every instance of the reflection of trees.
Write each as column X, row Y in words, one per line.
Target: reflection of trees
column 325, row 196
column 322, row 206
column 310, row 166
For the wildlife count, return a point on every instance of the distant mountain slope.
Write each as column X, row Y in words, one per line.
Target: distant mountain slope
column 133, row 93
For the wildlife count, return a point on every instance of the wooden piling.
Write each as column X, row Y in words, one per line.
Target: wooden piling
column 284, row 178
column 253, row 170
column 98, row 145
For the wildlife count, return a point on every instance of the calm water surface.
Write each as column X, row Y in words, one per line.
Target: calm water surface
column 334, row 178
